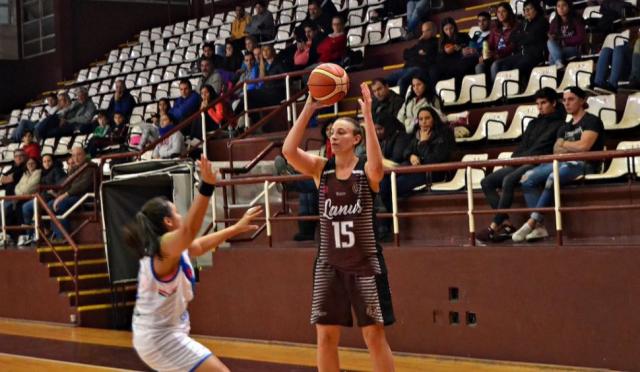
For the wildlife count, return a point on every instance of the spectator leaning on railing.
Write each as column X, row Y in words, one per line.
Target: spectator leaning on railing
column 584, row 132
column 538, row 139
column 69, row 195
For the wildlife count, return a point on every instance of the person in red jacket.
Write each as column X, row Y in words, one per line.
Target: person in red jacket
column 500, row 44
column 334, row 47
column 32, row 149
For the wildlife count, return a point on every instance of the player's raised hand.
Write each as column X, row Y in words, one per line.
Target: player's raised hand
column 366, row 101
column 244, row 224
column 207, row 173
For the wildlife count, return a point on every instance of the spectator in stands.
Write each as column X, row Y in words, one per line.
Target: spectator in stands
column 317, row 16
column 214, row 116
column 171, row 146
column 51, row 174
column 210, row 76
column 333, row 48
column 239, row 25
column 529, row 40
column 29, row 146
column 392, row 137
column 385, row 101
column 474, row 49
column 114, row 138
column 70, row 195
column 451, row 61
column 538, row 139
column 314, row 37
column 76, row 118
column 584, row 132
column 272, row 92
column 567, row 34
column 100, row 134
column 607, row 78
column 417, row 58
column 262, row 25
column 634, row 78
column 10, row 178
column 250, row 43
column 185, row 105
column 250, row 71
column 301, row 54
column 122, row 101
column 50, row 109
column 422, row 95
column 27, row 185
column 500, row 43
column 150, row 130
column 417, row 10
column 232, row 60
column 433, row 142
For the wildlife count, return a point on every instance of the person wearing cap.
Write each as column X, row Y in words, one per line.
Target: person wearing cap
column 583, row 133
column 537, row 139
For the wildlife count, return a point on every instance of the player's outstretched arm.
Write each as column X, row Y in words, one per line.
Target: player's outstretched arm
column 211, row 241
column 373, row 168
column 303, row 162
column 175, row 242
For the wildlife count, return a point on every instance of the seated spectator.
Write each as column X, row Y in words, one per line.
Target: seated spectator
column 272, row 92
column 417, row 58
column 500, row 43
column 537, row 139
column 634, row 77
column 530, row 40
column 214, row 116
column 232, row 60
column 99, row 134
column 385, row 101
column 173, row 145
column 567, row 34
column 333, row 48
column 150, row 129
column 51, row 108
column 417, row 11
column 584, row 132
column 317, row 16
column 451, row 62
column 301, row 54
column 27, row 185
column 70, row 194
column 422, row 95
column 77, row 118
column 250, row 44
column 186, row 105
column 392, row 137
column 262, row 25
column 613, row 65
column 10, row 178
column 116, row 137
column 122, row 101
column 239, row 25
column 250, row 71
column 50, row 174
column 210, row 76
column 433, row 142
column 30, row 148
column 474, row 49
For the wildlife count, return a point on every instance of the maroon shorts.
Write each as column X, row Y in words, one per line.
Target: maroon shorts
column 335, row 293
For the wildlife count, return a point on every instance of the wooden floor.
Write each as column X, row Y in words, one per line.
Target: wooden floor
column 114, row 349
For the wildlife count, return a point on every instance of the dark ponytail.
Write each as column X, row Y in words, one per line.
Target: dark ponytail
column 143, row 234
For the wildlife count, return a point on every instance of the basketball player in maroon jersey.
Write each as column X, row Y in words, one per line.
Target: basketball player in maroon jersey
column 349, row 271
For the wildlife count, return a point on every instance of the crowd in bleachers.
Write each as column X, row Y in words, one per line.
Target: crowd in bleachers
column 444, row 69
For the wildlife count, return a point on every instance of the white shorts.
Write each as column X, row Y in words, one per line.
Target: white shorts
column 169, row 350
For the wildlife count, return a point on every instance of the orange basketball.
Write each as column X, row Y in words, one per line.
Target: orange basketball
column 328, row 83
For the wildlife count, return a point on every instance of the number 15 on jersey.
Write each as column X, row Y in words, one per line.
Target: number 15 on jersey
column 343, row 234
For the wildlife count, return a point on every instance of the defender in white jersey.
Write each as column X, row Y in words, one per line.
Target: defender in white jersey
column 349, row 272
column 164, row 243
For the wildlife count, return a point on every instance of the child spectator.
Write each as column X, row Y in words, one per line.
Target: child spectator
column 172, row 145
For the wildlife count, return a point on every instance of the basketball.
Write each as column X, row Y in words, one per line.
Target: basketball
column 328, row 83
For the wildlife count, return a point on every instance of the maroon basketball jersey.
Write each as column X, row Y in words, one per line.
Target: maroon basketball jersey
column 347, row 237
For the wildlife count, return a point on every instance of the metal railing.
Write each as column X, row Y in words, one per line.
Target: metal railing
column 471, row 211
column 40, row 203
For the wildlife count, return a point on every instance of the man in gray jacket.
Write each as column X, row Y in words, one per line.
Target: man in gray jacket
column 262, row 25
column 77, row 118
